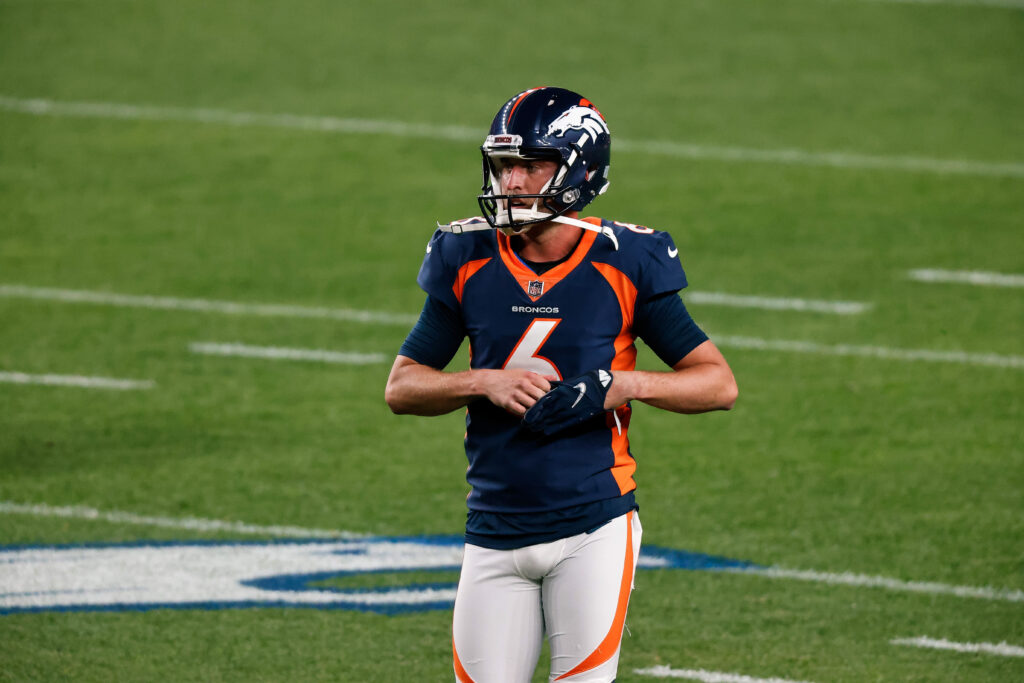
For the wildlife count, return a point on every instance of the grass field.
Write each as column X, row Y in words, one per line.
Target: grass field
column 797, row 150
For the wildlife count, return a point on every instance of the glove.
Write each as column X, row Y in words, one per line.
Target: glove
column 569, row 403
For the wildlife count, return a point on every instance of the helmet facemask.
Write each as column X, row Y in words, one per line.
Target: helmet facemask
column 496, row 204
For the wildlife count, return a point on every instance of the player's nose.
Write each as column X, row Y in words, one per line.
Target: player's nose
column 515, row 176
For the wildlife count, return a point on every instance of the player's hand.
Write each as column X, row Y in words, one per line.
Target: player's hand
column 569, row 403
column 514, row 390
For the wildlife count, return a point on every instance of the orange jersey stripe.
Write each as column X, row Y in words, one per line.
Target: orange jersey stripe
column 524, row 276
column 467, row 271
column 625, row 359
column 610, row 645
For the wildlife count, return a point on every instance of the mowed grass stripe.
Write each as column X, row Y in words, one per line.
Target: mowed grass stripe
column 331, row 124
column 80, row 381
column 200, row 524
column 283, row 353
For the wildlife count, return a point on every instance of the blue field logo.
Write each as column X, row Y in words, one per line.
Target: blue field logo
column 382, row 575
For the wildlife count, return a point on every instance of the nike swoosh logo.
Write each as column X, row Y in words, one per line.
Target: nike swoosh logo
column 583, row 389
column 672, row 253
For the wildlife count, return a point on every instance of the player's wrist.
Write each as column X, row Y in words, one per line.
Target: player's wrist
column 622, row 390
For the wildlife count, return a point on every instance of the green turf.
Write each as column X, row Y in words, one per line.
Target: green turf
column 908, row 470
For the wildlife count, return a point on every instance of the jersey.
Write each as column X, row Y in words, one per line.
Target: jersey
column 575, row 317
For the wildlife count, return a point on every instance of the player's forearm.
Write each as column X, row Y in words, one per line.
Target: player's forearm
column 696, row 389
column 414, row 389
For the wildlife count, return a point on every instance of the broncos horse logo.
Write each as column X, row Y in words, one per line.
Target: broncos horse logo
column 578, row 118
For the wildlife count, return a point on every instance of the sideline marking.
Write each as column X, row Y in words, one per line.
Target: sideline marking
column 81, row 296
column 1004, row 649
column 81, row 512
column 77, row 381
column 864, row 580
column 970, row 277
column 280, row 353
column 331, row 124
column 193, row 523
column 776, row 304
column 886, row 353
column 706, row 676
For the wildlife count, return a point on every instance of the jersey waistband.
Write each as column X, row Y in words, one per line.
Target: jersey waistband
column 508, row 531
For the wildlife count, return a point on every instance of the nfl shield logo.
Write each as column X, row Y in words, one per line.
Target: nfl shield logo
column 536, row 288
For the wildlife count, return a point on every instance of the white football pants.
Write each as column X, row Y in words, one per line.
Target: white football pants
column 576, row 589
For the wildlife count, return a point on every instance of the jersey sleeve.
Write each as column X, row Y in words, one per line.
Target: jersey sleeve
column 667, row 328
column 436, row 337
column 660, row 270
column 439, row 269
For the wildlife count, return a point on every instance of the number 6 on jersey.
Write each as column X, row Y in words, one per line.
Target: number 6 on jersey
column 524, row 355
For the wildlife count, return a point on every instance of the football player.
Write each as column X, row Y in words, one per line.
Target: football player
column 552, row 304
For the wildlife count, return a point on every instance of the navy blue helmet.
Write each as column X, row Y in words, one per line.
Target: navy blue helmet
column 546, row 123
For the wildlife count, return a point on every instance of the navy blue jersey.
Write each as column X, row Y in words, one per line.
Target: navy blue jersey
column 576, row 317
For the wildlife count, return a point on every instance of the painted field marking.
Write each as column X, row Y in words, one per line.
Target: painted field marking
column 77, row 381
column 280, row 353
column 331, row 124
column 777, row 304
column 867, row 581
column 706, row 676
column 969, row 277
column 1002, row 4
column 79, row 296
column 236, row 308
column 191, row 523
column 1003, row 649
column 882, row 352
column 199, row 524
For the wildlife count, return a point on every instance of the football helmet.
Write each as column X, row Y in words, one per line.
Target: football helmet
column 545, row 123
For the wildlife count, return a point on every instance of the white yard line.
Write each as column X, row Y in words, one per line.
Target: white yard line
column 283, row 310
column 1002, row 4
column 706, row 676
column 1003, row 649
column 866, row 581
column 192, row 523
column 79, row 296
column 279, row 353
column 969, row 277
column 199, row 524
column 76, row 381
column 709, row 298
column 331, row 124
column 882, row 352
column 775, row 303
